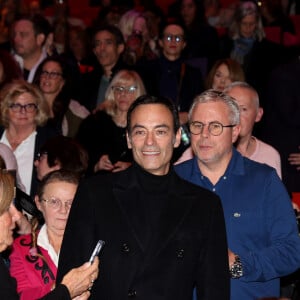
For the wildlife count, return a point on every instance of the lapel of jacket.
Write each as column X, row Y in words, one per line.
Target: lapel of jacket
column 178, row 204
column 126, row 192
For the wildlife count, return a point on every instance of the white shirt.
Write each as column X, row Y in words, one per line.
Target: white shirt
column 24, row 154
column 43, row 241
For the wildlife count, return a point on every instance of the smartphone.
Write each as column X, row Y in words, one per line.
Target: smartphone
column 97, row 250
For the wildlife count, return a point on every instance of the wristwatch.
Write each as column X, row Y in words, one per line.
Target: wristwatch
column 236, row 269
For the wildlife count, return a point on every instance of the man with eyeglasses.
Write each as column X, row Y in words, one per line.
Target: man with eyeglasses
column 261, row 226
column 170, row 76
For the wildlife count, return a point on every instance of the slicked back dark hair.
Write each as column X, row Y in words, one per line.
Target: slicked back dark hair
column 147, row 99
column 115, row 31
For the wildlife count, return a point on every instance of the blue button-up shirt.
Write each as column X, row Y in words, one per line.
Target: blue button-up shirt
column 260, row 222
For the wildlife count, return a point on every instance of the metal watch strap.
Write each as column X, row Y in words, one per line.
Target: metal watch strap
column 236, row 269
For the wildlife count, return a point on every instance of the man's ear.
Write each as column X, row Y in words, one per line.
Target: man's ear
column 120, row 48
column 235, row 132
column 259, row 114
column 177, row 139
column 128, row 140
column 160, row 43
column 40, row 39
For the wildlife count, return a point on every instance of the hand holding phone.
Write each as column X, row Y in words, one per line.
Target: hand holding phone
column 97, row 250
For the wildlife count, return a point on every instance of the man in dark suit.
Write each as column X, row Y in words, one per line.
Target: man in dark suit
column 108, row 46
column 163, row 235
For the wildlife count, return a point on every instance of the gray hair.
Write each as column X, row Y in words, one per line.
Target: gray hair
column 244, row 85
column 217, row 96
column 122, row 77
column 243, row 10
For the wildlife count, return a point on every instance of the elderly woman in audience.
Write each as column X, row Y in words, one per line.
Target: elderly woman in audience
column 103, row 134
column 24, row 111
column 66, row 114
column 75, row 283
column 246, row 44
column 224, row 72
column 34, row 257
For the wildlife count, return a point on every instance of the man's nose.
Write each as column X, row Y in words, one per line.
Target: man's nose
column 150, row 138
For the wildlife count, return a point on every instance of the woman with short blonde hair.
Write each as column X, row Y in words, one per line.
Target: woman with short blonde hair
column 24, row 113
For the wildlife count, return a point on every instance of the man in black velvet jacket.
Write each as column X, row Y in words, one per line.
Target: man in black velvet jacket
column 163, row 235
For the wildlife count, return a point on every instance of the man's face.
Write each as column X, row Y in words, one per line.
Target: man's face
column 249, row 111
column 172, row 42
column 24, row 39
column 188, row 11
column 213, row 150
column 152, row 137
column 106, row 49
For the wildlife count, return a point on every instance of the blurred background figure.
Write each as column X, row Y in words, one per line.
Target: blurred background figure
column 224, row 72
column 9, row 163
column 246, row 44
column 273, row 15
column 9, row 68
column 61, row 152
column 201, row 38
column 56, row 83
column 10, row 10
column 135, row 29
column 30, row 43
column 103, row 134
column 78, row 50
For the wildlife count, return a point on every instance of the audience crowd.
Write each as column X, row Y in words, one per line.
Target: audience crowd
column 68, row 76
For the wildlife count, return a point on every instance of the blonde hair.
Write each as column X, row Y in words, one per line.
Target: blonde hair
column 122, row 78
column 127, row 21
column 7, row 190
column 12, row 91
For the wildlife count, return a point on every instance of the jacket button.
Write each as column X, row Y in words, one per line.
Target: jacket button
column 125, row 248
column 132, row 293
column 180, row 253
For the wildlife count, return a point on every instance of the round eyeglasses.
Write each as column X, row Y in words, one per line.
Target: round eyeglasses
column 124, row 90
column 29, row 108
column 40, row 155
column 56, row 204
column 171, row 37
column 214, row 128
